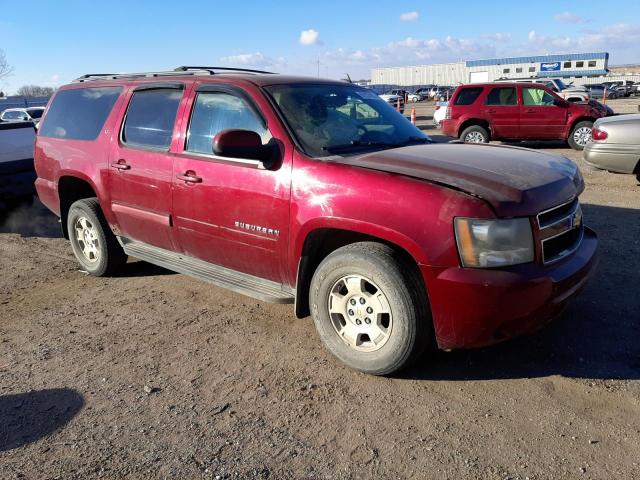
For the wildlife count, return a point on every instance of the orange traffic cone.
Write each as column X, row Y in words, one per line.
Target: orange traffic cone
column 413, row 115
column 398, row 105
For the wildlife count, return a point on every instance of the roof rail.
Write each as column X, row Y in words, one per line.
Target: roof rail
column 183, row 70
column 222, row 69
column 114, row 76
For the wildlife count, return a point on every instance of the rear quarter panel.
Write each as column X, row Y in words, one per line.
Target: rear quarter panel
column 55, row 158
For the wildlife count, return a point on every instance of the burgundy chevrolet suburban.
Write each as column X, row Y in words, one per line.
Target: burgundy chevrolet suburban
column 318, row 193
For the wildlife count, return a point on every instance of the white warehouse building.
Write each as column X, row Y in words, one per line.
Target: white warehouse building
column 573, row 67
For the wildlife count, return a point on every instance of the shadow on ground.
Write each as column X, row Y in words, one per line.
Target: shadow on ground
column 28, row 417
column 595, row 338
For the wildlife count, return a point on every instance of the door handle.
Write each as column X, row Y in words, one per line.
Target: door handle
column 121, row 165
column 530, row 110
column 189, row 177
column 492, row 110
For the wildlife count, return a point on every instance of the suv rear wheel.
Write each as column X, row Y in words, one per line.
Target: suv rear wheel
column 475, row 134
column 370, row 308
column 92, row 241
column 580, row 135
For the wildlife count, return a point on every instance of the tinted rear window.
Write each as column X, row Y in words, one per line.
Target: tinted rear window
column 151, row 116
column 79, row 114
column 467, row 96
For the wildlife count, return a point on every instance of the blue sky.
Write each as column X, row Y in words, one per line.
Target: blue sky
column 50, row 43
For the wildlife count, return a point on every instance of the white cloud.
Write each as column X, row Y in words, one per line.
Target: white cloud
column 568, row 17
column 256, row 60
column 498, row 36
column 620, row 40
column 310, row 37
column 409, row 16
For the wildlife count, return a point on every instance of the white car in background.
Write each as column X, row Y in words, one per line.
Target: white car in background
column 28, row 114
column 414, row 97
column 440, row 113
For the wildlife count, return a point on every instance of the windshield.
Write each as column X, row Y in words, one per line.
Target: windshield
column 560, row 84
column 35, row 112
column 342, row 119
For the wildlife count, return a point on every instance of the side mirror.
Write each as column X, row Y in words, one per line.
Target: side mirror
column 245, row 144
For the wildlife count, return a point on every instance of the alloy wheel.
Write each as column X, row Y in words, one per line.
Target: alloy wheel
column 87, row 239
column 474, row 137
column 582, row 136
column 360, row 313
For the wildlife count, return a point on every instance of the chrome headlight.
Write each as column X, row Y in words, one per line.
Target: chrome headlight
column 494, row 243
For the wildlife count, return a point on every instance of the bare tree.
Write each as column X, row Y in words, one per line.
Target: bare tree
column 35, row 91
column 5, row 68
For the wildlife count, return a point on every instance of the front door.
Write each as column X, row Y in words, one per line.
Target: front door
column 501, row 107
column 230, row 212
column 141, row 169
column 542, row 117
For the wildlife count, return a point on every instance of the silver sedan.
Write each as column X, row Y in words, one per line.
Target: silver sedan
column 615, row 144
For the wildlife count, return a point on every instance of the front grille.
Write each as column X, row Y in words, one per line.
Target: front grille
column 561, row 231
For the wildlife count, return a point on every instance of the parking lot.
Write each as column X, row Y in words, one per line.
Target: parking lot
column 153, row 374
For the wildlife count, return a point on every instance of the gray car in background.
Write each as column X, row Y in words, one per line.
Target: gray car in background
column 615, row 144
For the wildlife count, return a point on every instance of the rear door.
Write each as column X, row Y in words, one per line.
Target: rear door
column 502, row 109
column 228, row 211
column 141, row 167
column 541, row 117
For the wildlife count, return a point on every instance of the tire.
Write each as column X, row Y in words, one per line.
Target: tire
column 395, row 308
column 577, row 138
column 475, row 134
column 92, row 241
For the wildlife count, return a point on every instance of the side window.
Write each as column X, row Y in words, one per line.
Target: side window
column 217, row 111
column 592, row 63
column 502, row 96
column 150, row 117
column 532, row 69
column 579, row 64
column 536, row 97
column 80, row 113
column 566, row 65
column 467, row 96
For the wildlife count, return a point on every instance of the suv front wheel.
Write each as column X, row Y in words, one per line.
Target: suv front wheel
column 370, row 308
column 580, row 135
column 92, row 241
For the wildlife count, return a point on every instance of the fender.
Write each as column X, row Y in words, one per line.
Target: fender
column 356, row 226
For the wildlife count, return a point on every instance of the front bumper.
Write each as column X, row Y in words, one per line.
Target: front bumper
column 478, row 307
column 613, row 157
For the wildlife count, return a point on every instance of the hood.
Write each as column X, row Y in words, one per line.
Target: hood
column 514, row 181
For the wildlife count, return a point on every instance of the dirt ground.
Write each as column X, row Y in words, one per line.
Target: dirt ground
column 156, row 375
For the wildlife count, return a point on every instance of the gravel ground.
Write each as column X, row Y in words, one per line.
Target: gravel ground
column 156, row 375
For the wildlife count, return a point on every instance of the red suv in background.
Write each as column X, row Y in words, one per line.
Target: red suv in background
column 517, row 111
